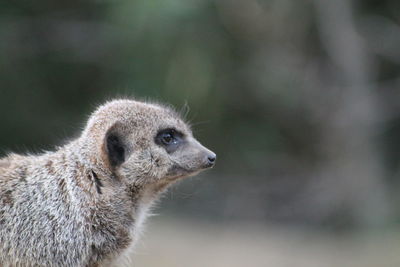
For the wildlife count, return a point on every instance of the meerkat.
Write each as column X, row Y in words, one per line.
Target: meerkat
column 85, row 203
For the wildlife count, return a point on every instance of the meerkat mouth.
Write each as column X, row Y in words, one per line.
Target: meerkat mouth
column 178, row 172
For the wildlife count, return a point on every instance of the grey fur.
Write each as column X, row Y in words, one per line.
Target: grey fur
column 75, row 206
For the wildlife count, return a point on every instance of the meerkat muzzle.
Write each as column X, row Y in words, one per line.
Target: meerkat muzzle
column 211, row 158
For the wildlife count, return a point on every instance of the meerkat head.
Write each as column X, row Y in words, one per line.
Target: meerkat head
column 144, row 143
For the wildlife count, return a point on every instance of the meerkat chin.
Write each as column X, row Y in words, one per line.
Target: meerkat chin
column 84, row 204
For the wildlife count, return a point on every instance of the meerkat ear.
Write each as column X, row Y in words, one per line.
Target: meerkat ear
column 114, row 146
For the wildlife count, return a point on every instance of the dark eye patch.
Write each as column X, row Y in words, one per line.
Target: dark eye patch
column 170, row 139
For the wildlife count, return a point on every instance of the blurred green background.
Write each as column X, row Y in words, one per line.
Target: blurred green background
column 299, row 99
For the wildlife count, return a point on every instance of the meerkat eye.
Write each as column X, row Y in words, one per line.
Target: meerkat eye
column 169, row 139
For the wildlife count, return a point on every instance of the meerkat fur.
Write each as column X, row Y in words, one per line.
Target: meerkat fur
column 84, row 204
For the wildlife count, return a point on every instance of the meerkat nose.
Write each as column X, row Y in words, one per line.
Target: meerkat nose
column 211, row 159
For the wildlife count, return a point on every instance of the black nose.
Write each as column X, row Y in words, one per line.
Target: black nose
column 211, row 160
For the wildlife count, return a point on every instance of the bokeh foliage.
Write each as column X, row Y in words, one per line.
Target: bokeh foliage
column 264, row 84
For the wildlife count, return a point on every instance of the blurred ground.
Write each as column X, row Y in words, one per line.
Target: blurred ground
column 184, row 243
